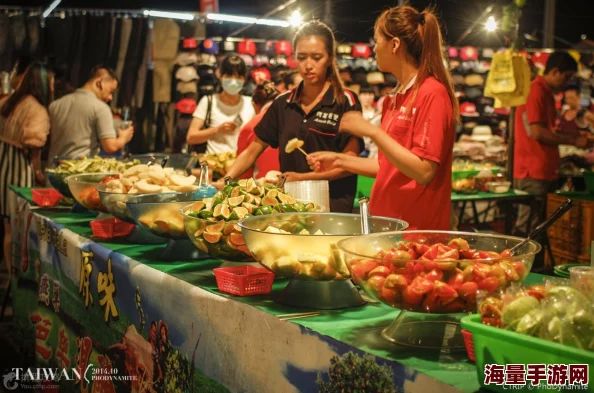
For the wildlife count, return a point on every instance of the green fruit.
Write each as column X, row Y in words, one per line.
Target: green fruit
column 222, row 211
column 235, row 192
column 236, row 201
column 227, row 190
column 299, row 207
column 269, row 201
column 238, row 213
column 204, row 214
column 265, row 210
column 286, row 208
column 286, row 199
column 272, row 193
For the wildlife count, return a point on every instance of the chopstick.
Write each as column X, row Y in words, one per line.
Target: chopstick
column 298, row 315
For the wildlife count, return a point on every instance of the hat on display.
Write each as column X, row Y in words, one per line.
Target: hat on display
column 344, row 49
column 457, row 79
column 247, row 59
column 459, row 94
column 278, row 61
column 502, row 111
column 269, row 48
column 261, row 61
column 187, row 87
column 481, row 67
column 186, row 74
column 186, row 106
column 481, row 133
column 452, row 52
column 373, row 64
column 486, row 101
column 390, row 79
column 468, row 109
column 361, row 50
column 206, row 59
column 283, row 47
column 189, row 43
column 343, row 64
column 291, row 62
column 247, row 47
column 359, row 77
column 469, row 53
column 229, row 46
column 260, row 74
column 375, row 78
column 488, row 53
column 539, row 59
column 206, row 74
column 206, row 89
column 209, row 46
column 453, row 63
column 474, row 80
column 362, row 64
column 473, row 92
column 186, row 58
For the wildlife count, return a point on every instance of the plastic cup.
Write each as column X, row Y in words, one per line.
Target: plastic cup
column 317, row 191
column 582, row 279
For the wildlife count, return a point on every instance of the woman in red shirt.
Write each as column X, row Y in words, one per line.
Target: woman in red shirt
column 416, row 138
column 262, row 97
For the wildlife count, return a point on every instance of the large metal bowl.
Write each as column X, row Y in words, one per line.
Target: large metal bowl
column 83, row 188
column 410, row 280
column 160, row 213
column 174, row 160
column 307, row 256
column 115, row 203
column 58, row 182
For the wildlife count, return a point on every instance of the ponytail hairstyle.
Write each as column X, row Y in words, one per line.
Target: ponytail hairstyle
column 321, row 30
column 421, row 33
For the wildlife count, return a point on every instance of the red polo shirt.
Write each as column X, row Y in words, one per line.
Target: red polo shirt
column 427, row 129
column 531, row 158
column 268, row 161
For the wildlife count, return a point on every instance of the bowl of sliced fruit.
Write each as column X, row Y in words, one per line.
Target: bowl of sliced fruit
column 212, row 223
column 83, row 188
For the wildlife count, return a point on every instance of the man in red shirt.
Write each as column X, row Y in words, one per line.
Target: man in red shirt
column 536, row 152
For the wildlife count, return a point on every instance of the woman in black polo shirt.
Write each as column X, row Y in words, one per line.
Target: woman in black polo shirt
column 312, row 113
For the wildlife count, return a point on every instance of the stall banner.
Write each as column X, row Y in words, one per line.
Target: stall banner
column 103, row 322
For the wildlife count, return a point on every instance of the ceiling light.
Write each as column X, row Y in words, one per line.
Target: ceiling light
column 172, row 15
column 296, row 19
column 491, row 25
column 51, row 7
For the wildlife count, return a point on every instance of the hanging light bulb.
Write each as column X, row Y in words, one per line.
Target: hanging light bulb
column 491, row 25
column 296, row 19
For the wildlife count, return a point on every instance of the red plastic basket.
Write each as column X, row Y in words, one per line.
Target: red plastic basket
column 469, row 344
column 244, row 280
column 46, row 197
column 110, row 228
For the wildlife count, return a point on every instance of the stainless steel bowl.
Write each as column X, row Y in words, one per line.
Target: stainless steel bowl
column 160, row 213
column 307, row 256
column 83, row 188
column 115, row 203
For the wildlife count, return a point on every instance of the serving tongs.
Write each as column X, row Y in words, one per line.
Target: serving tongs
column 364, row 212
column 564, row 208
column 153, row 160
column 280, row 182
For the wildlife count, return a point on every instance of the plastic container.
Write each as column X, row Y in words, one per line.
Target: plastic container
column 498, row 346
column 468, row 342
column 582, row 278
column 46, row 197
column 244, row 280
column 110, row 228
column 317, row 191
column 498, row 187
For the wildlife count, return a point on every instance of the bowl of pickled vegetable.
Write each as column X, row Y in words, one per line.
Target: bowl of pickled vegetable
column 83, row 188
column 435, row 271
column 63, row 167
column 304, row 245
column 212, row 223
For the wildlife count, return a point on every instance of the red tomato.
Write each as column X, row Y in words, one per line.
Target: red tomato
column 411, row 297
column 468, row 291
column 421, row 285
column 431, row 303
column 459, row 244
column 430, row 265
column 456, row 280
column 409, row 269
column 445, row 292
column 481, row 270
column 506, row 253
column 390, row 296
column 376, row 283
column 537, row 291
column 419, row 268
column 520, row 268
column 489, row 284
column 492, row 321
column 434, row 275
column 420, row 248
column 361, row 269
column 380, row 271
column 455, row 306
column 468, row 254
column 397, row 281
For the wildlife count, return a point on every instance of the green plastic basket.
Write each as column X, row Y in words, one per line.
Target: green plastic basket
column 461, row 175
column 589, row 180
column 498, row 346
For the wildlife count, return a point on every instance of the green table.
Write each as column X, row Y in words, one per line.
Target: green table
column 506, row 200
column 336, row 331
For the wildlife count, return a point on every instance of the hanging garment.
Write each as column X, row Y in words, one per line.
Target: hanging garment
column 123, row 50
column 132, row 63
column 79, row 32
column 166, row 34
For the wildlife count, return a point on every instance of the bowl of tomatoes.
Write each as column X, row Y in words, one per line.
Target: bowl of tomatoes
column 84, row 189
column 435, row 271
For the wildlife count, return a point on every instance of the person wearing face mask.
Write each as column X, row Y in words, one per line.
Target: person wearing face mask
column 229, row 110
column 311, row 112
column 82, row 122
